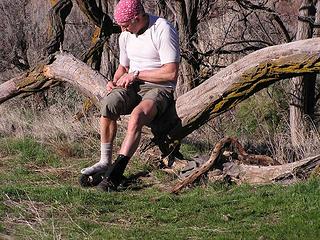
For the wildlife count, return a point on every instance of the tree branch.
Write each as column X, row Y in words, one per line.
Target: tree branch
column 242, row 172
column 260, row 7
column 57, row 21
column 243, row 78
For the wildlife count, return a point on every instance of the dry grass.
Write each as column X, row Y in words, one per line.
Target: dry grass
column 283, row 150
column 55, row 125
column 28, row 213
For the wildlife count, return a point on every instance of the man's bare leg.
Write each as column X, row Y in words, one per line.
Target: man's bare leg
column 108, row 130
column 141, row 115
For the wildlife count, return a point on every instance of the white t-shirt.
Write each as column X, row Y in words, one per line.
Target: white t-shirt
column 158, row 45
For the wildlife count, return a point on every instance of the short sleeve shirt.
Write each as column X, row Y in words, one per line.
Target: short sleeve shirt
column 158, row 45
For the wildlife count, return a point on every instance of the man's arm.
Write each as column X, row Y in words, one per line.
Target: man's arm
column 166, row 73
column 121, row 70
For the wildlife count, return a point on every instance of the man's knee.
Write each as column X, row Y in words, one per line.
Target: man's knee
column 162, row 97
column 143, row 114
column 136, row 121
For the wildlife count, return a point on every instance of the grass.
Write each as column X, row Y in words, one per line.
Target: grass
column 41, row 199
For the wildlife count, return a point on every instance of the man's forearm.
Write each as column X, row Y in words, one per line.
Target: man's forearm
column 168, row 72
column 119, row 72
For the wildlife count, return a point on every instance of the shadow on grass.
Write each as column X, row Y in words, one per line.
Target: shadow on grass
column 134, row 183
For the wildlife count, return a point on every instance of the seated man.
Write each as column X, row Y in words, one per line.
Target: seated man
column 143, row 84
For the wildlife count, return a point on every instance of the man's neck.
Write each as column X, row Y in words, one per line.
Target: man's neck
column 145, row 24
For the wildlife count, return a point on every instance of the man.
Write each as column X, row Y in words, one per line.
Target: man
column 143, row 85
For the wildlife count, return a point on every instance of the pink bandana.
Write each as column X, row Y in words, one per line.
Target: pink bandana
column 127, row 10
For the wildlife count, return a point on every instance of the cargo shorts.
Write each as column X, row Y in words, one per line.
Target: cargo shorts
column 121, row 101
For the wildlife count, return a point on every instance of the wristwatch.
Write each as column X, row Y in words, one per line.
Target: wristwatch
column 136, row 74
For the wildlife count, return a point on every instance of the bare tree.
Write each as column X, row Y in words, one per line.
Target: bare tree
column 241, row 27
column 204, row 106
column 194, row 108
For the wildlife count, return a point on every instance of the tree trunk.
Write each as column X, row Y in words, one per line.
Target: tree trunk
column 241, row 79
column 316, row 25
column 104, row 29
column 57, row 21
column 186, row 14
column 302, row 88
column 194, row 108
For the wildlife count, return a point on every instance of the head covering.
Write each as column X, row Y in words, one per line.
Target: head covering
column 126, row 10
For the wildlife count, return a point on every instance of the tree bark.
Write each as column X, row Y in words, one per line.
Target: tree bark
column 67, row 68
column 186, row 14
column 57, row 21
column 29, row 82
column 316, row 25
column 302, row 88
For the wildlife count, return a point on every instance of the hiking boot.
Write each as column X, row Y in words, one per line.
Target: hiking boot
column 91, row 180
column 107, row 186
column 114, row 175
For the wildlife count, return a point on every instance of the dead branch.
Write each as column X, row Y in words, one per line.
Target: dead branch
column 240, row 172
column 217, row 151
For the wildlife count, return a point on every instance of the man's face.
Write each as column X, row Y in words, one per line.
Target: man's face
column 130, row 26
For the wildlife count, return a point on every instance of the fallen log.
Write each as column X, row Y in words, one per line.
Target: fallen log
column 265, row 171
column 286, row 173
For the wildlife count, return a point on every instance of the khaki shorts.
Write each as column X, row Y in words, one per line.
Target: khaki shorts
column 121, row 101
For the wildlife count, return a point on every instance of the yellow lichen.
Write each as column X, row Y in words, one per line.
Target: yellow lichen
column 87, row 105
column 33, row 78
column 95, row 36
column 264, row 75
column 53, row 2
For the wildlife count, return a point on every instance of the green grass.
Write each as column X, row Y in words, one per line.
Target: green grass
column 258, row 113
column 49, row 205
column 28, row 151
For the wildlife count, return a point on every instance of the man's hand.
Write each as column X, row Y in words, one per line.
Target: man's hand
column 110, row 86
column 125, row 80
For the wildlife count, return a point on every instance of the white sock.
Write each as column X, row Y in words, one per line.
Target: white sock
column 104, row 163
column 106, row 153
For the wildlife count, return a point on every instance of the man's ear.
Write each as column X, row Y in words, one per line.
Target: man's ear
column 135, row 19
